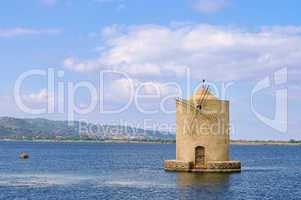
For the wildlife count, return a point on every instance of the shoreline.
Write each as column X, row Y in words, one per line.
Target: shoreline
column 265, row 143
column 286, row 143
column 91, row 141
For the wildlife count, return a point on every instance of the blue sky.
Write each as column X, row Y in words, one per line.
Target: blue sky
column 223, row 41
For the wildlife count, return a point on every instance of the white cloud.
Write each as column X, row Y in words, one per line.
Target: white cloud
column 210, row 52
column 39, row 97
column 124, row 88
column 210, row 6
column 70, row 63
column 283, row 29
column 20, row 31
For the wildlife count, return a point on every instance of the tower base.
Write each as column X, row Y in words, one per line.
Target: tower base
column 212, row 166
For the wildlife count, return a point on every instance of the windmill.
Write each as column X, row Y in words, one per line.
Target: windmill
column 205, row 146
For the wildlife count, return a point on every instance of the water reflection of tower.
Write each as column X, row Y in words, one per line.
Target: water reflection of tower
column 202, row 186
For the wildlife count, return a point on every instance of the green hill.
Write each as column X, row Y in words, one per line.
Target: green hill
column 39, row 128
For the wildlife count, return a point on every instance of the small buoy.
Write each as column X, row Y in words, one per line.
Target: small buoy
column 24, row 155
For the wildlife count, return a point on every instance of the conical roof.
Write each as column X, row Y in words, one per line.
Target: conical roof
column 202, row 93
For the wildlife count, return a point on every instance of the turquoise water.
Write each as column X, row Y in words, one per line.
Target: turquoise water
column 135, row 171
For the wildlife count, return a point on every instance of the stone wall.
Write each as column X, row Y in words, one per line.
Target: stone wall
column 224, row 165
column 219, row 166
column 202, row 131
column 176, row 165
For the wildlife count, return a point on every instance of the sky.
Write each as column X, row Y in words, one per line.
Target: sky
column 125, row 61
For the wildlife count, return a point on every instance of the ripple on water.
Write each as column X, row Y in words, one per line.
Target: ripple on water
column 39, row 180
column 48, row 180
column 260, row 169
column 136, row 184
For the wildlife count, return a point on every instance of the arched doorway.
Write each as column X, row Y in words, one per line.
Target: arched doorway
column 199, row 157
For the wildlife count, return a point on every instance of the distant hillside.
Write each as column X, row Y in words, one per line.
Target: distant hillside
column 39, row 128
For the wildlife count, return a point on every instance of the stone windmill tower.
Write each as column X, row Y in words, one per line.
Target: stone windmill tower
column 202, row 135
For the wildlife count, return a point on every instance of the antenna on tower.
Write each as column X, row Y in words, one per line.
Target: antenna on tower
column 204, row 95
column 200, row 101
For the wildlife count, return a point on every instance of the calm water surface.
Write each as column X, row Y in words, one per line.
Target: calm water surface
column 135, row 171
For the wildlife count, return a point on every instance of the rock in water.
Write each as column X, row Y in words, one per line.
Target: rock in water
column 24, row 155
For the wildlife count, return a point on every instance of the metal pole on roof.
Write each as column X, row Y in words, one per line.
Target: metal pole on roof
column 199, row 104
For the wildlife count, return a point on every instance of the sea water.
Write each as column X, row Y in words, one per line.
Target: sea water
column 135, row 171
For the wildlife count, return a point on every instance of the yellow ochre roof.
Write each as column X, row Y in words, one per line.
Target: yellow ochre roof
column 199, row 94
